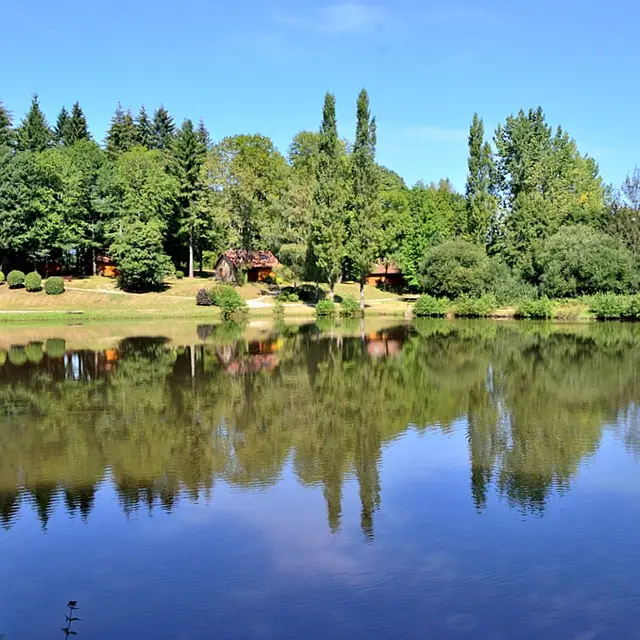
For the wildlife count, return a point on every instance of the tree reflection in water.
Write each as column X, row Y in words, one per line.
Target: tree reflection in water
column 163, row 422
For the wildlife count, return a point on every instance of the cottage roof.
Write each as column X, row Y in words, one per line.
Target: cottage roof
column 379, row 270
column 251, row 259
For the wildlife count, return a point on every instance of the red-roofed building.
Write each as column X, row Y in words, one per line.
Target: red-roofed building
column 259, row 265
column 386, row 273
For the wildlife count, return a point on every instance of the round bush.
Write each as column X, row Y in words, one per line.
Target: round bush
column 54, row 286
column 326, row 309
column 179, row 274
column 349, row 307
column 203, row 298
column 289, row 294
column 467, row 307
column 33, row 282
column 15, row 279
column 427, row 306
column 541, row 309
column 229, row 300
column 1, row 277
column 34, row 352
column 55, row 347
column 17, row 356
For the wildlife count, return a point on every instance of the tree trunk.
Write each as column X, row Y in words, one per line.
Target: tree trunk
column 332, row 293
column 362, row 295
column 201, row 262
column 191, row 254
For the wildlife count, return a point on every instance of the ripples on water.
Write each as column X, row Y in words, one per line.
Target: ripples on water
column 455, row 480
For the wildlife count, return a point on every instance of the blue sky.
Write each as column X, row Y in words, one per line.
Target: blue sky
column 264, row 65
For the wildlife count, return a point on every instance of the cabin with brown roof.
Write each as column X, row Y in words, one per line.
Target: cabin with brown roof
column 106, row 266
column 259, row 265
column 386, row 273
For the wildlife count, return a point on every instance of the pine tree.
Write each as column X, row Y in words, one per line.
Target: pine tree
column 188, row 155
column 7, row 135
column 163, row 129
column 203, row 136
column 481, row 203
column 365, row 232
column 122, row 133
column 145, row 129
column 34, row 133
column 328, row 217
column 60, row 130
column 76, row 126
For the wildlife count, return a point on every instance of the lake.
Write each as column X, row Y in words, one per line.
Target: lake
column 448, row 479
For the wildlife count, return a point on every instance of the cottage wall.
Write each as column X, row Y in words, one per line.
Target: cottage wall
column 225, row 271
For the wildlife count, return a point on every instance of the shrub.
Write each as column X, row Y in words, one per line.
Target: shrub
column 508, row 287
column 1, row 277
column 138, row 251
column 15, row 279
column 289, row 294
column 278, row 308
column 350, row 307
column 609, row 306
column 455, row 268
column 34, row 352
column 579, row 260
column 3, row 357
column 55, row 347
column 54, row 286
column 17, row 356
column 203, row 298
column 33, row 282
column 179, row 274
column 428, row 306
column 542, row 308
column 294, row 257
column 468, row 307
column 229, row 301
column 326, row 309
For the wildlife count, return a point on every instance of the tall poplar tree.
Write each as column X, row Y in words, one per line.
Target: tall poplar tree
column 122, row 134
column 188, row 155
column 164, row 129
column 76, row 126
column 328, row 218
column 481, row 203
column 34, row 133
column 365, row 233
column 145, row 129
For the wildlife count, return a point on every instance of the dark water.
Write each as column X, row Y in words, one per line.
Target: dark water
column 467, row 480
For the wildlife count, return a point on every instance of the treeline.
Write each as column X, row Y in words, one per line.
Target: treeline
column 535, row 217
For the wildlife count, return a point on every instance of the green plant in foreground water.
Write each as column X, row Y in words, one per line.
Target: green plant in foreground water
column 70, row 619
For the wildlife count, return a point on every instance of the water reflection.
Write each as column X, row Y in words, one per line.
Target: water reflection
column 164, row 423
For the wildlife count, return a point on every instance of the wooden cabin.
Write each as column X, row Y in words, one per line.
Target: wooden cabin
column 386, row 273
column 258, row 264
column 105, row 266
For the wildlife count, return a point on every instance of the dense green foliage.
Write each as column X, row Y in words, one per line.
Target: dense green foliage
column 326, row 308
column 580, row 260
column 15, row 279
column 179, row 274
column 455, row 268
column 609, row 306
column 54, row 286
column 230, row 302
column 350, row 307
column 541, row 309
column 137, row 250
column 535, row 217
column 33, row 282
column 469, row 307
column 1, row 277
column 427, row 306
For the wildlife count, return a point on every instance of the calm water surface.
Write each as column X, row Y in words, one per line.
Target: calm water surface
column 450, row 480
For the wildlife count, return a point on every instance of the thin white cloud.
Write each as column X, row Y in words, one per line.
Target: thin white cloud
column 347, row 18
